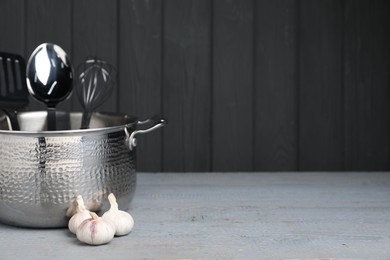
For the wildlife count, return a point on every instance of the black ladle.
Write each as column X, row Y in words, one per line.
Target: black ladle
column 49, row 78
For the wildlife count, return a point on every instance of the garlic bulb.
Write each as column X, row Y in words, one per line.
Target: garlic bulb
column 81, row 214
column 95, row 231
column 122, row 220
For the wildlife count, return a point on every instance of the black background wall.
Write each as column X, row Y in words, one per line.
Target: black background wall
column 245, row 85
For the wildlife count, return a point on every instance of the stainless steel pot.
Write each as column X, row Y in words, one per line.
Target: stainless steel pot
column 42, row 171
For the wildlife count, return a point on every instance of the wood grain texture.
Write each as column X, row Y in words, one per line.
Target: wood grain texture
column 290, row 215
column 12, row 22
column 232, row 85
column 187, row 85
column 48, row 21
column 140, row 60
column 276, row 110
column 245, row 85
column 95, row 24
column 367, row 81
column 321, row 85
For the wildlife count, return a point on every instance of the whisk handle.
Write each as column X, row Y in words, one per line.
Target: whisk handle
column 85, row 119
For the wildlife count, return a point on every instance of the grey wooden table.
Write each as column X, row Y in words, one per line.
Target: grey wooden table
column 236, row 216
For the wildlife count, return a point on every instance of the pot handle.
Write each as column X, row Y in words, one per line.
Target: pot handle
column 157, row 121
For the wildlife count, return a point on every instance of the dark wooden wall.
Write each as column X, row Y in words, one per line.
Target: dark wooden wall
column 277, row 85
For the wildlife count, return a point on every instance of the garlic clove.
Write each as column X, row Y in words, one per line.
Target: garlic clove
column 95, row 230
column 122, row 220
column 72, row 208
column 81, row 214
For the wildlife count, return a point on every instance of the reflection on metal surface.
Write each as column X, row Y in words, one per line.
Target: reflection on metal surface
column 42, row 67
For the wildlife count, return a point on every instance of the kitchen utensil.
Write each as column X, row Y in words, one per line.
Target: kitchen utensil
column 49, row 78
column 41, row 172
column 13, row 90
column 96, row 79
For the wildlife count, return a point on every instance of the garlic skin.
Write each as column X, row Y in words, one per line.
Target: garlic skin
column 122, row 220
column 72, row 208
column 95, row 231
column 81, row 214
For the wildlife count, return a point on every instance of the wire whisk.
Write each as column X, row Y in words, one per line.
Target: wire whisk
column 95, row 82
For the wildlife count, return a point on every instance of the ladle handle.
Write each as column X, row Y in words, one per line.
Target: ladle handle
column 51, row 118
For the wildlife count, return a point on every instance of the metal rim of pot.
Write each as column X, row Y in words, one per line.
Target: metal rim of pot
column 156, row 122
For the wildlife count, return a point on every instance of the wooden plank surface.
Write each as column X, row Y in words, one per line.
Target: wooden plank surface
column 232, row 113
column 12, row 22
column 95, row 24
column 245, row 85
column 276, row 86
column 367, row 93
column 279, row 215
column 140, row 76
column 321, row 85
column 187, row 85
